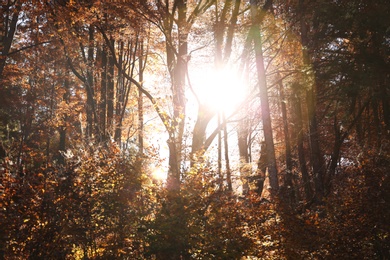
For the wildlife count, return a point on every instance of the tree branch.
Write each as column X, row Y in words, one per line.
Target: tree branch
column 28, row 47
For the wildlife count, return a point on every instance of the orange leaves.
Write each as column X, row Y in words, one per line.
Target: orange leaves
column 311, row 218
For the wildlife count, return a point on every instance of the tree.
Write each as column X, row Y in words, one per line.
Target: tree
column 256, row 18
column 223, row 39
column 89, row 89
column 9, row 18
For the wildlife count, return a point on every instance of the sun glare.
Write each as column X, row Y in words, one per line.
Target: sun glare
column 159, row 174
column 222, row 90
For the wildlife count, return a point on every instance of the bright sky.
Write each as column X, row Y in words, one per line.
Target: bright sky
column 222, row 90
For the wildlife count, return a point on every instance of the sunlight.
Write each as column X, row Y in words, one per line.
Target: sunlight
column 221, row 90
column 159, row 174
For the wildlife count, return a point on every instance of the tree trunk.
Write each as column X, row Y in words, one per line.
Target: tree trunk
column 300, row 147
column 199, row 134
column 103, row 94
column 265, row 111
column 63, row 127
column 227, row 161
column 289, row 164
column 177, row 70
column 245, row 170
column 6, row 37
column 204, row 113
column 90, row 106
column 315, row 152
column 120, row 95
column 110, row 92
column 140, row 101
column 219, row 156
column 262, row 164
column 311, row 94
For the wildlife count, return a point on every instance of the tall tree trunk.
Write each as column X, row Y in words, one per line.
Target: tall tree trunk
column 177, row 68
column 289, row 164
column 120, row 95
column 244, row 128
column 50, row 117
column 340, row 136
column 231, row 30
column 256, row 18
column 199, row 134
column 63, row 127
column 262, row 164
column 359, row 127
column 300, row 147
column 8, row 26
column 245, row 170
column 315, row 152
column 110, row 91
column 90, row 106
column 140, row 101
column 227, row 160
column 334, row 159
column 103, row 94
column 311, row 97
column 219, row 156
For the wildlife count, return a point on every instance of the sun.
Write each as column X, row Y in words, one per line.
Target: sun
column 222, row 90
column 159, row 174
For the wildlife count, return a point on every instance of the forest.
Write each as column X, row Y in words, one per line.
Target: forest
column 194, row 129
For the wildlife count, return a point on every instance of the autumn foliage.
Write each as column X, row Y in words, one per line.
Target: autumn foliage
column 113, row 146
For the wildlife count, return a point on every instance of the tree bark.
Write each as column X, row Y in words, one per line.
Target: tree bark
column 199, row 134
column 311, row 98
column 141, row 101
column 219, row 156
column 177, row 68
column 262, row 165
column 256, row 18
column 110, row 91
column 287, row 143
column 7, row 31
column 90, row 106
column 63, row 127
column 103, row 94
column 227, row 160
column 243, row 134
column 300, row 147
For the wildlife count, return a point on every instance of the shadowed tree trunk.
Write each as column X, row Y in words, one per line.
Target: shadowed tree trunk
column 262, row 165
column 126, row 66
column 90, row 87
column 103, row 94
column 256, row 17
column 63, row 127
column 199, row 133
column 289, row 165
column 300, row 147
column 8, row 21
column 311, row 98
column 110, row 92
column 120, row 95
column 243, row 148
